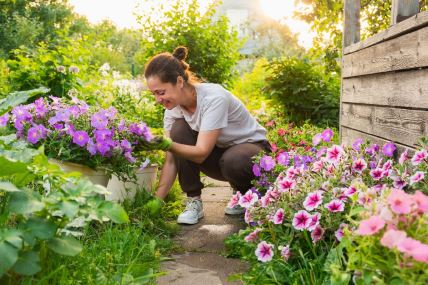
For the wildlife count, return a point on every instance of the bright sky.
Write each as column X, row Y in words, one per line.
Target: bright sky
column 121, row 13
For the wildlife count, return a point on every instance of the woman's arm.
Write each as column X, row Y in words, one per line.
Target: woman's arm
column 199, row 152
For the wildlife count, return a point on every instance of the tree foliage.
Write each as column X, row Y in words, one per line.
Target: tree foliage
column 213, row 46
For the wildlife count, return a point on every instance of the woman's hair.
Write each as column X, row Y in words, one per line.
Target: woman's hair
column 169, row 66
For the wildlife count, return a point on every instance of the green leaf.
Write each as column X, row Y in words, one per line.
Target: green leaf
column 9, row 255
column 65, row 246
column 40, row 228
column 114, row 211
column 12, row 236
column 8, row 187
column 8, row 167
column 16, row 98
column 69, row 208
column 28, row 263
column 24, row 203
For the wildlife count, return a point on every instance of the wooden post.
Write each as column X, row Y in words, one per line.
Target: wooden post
column 403, row 9
column 351, row 30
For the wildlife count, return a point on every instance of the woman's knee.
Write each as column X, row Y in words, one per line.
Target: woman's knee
column 182, row 133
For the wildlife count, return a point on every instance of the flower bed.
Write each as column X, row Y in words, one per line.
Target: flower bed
column 304, row 203
column 76, row 132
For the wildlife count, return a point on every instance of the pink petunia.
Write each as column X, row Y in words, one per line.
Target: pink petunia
column 253, row 236
column 313, row 200
column 335, row 206
column 234, row 200
column 317, row 234
column 420, row 253
column 421, row 201
column 316, row 139
column 278, row 218
column 339, row 233
column 264, row 251
column 417, row 177
column 377, row 173
column 314, row 221
column 359, row 165
column 400, row 202
column 301, row 220
column 419, row 157
column 370, row 226
column 392, row 237
column 285, row 252
column 265, row 200
column 408, row 245
column 249, row 199
column 399, row 183
column 351, row 190
column 317, row 166
column 403, row 157
column 286, row 185
column 334, row 154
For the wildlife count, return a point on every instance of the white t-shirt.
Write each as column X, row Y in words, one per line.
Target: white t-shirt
column 217, row 108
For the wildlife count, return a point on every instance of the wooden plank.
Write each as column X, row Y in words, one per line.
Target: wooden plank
column 351, row 32
column 396, row 89
column 403, row 9
column 401, row 125
column 350, row 135
column 413, row 23
column 405, row 52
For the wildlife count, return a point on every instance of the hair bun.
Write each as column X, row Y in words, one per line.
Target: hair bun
column 180, row 53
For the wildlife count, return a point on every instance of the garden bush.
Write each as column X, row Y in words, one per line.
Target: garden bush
column 213, row 47
column 304, row 90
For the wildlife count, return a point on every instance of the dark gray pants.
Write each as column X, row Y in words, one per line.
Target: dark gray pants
column 232, row 164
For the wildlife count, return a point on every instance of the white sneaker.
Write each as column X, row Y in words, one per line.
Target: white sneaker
column 193, row 212
column 236, row 210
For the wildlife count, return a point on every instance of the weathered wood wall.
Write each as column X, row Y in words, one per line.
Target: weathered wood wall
column 385, row 85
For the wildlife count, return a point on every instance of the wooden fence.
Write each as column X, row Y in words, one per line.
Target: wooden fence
column 385, row 78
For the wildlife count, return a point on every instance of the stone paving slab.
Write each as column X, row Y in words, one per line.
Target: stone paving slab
column 203, row 243
column 201, row 268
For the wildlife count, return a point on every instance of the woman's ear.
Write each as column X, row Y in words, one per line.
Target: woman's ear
column 180, row 81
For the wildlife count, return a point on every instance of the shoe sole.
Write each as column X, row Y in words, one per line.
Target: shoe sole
column 234, row 213
column 191, row 222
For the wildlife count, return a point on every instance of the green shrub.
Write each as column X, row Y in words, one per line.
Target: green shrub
column 213, row 48
column 304, row 90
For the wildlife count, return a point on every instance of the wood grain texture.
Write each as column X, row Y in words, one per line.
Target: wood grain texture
column 348, row 136
column 396, row 89
column 400, row 125
column 405, row 52
column 351, row 33
column 413, row 23
column 403, row 9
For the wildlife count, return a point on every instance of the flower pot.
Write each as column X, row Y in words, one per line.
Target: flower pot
column 120, row 190
column 95, row 176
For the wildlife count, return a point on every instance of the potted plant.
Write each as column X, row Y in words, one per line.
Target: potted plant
column 81, row 137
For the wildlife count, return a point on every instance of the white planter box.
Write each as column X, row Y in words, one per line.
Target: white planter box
column 120, row 190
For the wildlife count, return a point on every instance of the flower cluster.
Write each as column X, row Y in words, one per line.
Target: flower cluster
column 314, row 199
column 394, row 219
column 79, row 133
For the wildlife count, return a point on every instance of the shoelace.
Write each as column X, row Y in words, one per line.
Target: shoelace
column 192, row 205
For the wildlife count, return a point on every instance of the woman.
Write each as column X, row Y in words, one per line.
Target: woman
column 210, row 129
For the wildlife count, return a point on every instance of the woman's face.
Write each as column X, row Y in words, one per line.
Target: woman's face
column 166, row 94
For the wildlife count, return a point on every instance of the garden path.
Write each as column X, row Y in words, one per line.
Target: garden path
column 202, row 262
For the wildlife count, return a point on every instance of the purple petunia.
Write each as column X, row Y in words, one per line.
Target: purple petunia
column 267, row 163
column 80, row 138
column 99, row 120
column 388, row 149
column 4, row 119
column 326, row 135
column 36, row 133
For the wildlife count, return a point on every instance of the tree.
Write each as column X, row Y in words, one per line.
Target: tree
column 213, row 46
column 28, row 22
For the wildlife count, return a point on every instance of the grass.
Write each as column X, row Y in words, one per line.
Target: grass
column 117, row 254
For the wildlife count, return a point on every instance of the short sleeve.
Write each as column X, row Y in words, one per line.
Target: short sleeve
column 215, row 115
column 169, row 118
